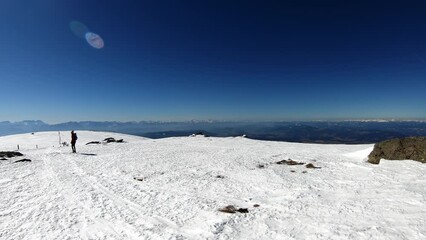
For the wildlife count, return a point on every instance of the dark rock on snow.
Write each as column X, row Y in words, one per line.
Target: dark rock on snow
column 413, row 148
column 139, row 178
column 242, row 210
column 260, row 166
column 23, row 160
column 107, row 140
column 10, row 154
column 228, row 209
column 110, row 140
column 310, row 165
column 232, row 209
column 290, row 162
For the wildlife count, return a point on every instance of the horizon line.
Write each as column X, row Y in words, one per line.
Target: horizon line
column 231, row 121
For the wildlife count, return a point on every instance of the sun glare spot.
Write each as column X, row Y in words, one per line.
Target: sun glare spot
column 82, row 31
column 94, row 40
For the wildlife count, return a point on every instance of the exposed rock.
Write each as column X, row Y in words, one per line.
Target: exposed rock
column 110, row 140
column 256, row 205
column 2, row 159
column 260, row 166
column 8, row 154
column 232, row 209
column 310, row 165
column 228, row 209
column 304, row 171
column 139, row 178
column 412, row 148
column 220, row 176
column 290, row 162
column 242, row 210
column 23, row 160
column 292, row 171
column 107, row 140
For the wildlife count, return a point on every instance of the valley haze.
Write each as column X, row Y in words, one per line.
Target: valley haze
column 347, row 131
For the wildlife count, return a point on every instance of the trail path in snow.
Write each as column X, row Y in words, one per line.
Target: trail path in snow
column 103, row 210
column 67, row 199
column 93, row 194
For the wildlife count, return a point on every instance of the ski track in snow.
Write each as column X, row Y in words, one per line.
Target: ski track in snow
column 92, row 194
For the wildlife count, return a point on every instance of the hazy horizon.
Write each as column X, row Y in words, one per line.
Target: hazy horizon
column 227, row 120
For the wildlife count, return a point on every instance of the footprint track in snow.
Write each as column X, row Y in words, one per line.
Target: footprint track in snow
column 75, row 182
column 80, row 195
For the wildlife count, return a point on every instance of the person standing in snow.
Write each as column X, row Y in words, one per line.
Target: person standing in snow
column 73, row 140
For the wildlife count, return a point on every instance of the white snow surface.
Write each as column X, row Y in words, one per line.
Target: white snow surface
column 93, row 194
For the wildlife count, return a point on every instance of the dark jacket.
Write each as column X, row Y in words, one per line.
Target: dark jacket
column 73, row 137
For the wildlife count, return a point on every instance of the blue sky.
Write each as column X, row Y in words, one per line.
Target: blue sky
column 225, row 60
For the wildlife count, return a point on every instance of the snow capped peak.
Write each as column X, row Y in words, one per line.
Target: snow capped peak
column 33, row 122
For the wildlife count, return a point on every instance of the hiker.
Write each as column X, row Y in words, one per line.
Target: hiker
column 73, row 140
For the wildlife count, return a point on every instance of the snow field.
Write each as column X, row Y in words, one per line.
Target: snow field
column 93, row 194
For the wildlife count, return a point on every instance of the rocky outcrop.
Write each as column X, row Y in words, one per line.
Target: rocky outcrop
column 413, row 148
column 10, row 154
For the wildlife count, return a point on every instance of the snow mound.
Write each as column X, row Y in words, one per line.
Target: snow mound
column 361, row 154
column 173, row 188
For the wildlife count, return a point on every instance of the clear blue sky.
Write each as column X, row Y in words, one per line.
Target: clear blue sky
column 178, row 60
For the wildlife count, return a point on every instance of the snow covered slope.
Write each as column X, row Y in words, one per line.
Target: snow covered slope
column 94, row 194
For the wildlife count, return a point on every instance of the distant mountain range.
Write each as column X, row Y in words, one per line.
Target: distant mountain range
column 350, row 132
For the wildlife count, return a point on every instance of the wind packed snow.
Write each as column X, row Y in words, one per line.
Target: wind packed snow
column 172, row 189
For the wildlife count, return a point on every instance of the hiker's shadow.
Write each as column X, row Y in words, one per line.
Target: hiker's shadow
column 88, row 154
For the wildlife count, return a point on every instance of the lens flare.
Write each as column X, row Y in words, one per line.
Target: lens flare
column 79, row 29
column 94, row 40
